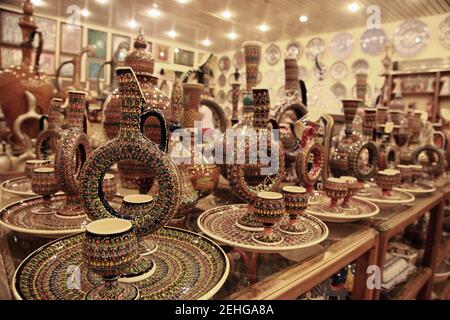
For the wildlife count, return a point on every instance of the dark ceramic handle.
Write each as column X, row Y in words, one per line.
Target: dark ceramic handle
column 164, row 144
column 274, row 123
column 58, row 72
column 38, row 49
column 112, row 64
column 42, row 119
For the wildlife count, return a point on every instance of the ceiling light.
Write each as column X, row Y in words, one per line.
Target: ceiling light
column 102, row 1
column 303, row 18
column 226, row 14
column 206, row 42
column 37, row 3
column 353, row 7
column 132, row 24
column 85, row 12
column 183, row 1
column 264, row 27
column 176, row 50
column 232, row 35
column 154, row 12
column 172, row 33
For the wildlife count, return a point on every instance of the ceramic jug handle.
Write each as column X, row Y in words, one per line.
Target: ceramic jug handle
column 58, row 71
column 444, row 140
column 274, row 123
column 112, row 64
column 164, row 144
column 42, row 119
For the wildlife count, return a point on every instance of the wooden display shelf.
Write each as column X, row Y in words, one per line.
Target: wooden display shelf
column 411, row 288
column 444, row 249
column 392, row 222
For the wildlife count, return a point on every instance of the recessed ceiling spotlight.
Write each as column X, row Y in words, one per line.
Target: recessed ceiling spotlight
column 102, row 1
column 37, row 3
column 232, row 35
column 85, row 12
column 226, row 14
column 303, row 18
column 183, row 1
column 176, row 50
column 132, row 24
column 353, row 7
column 206, row 42
column 172, row 33
column 263, row 27
column 154, row 12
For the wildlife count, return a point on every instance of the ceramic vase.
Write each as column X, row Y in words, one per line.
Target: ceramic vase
column 110, row 248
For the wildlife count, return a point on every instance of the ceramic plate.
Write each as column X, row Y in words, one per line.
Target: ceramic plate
column 221, row 97
column 444, row 33
column 338, row 70
column 230, row 96
column 360, row 66
column 365, row 209
column 273, row 54
column 294, row 50
column 220, row 225
column 270, row 78
column 401, row 197
column 339, row 90
column 302, row 73
column 239, row 59
column 417, row 189
column 342, row 45
column 224, row 64
column 373, row 41
column 368, row 93
column 188, row 266
column 315, row 47
column 18, row 217
column 411, row 37
column 19, row 186
column 222, row 80
column 280, row 93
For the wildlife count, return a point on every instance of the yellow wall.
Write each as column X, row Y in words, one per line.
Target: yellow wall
column 433, row 50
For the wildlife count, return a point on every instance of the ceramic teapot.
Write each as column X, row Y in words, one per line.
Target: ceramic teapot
column 71, row 157
column 15, row 80
column 48, row 139
column 130, row 144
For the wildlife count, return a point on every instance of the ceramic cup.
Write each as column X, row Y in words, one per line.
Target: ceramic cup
column 109, row 186
column 386, row 180
column 136, row 205
column 352, row 189
column 406, row 173
column 296, row 202
column 110, row 248
column 44, row 183
column 268, row 209
column 417, row 172
column 335, row 189
column 30, row 165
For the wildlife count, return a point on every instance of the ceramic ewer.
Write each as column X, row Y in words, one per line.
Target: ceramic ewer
column 354, row 156
column 48, row 139
column 311, row 156
column 110, row 247
column 130, row 144
column 268, row 210
column 260, row 137
column 286, row 112
column 15, row 80
column 72, row 155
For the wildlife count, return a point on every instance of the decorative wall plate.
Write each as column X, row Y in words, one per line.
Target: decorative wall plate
column 417, row 188
column 230, row 96
column 222, row 81
column 188, row 266
column 342, row 45
column 411, row 37
column 280, row 93
column 302, row 72
column 221, row 97
column 338, row 70
column 399, row 197
column 239, row 59
column 18, row 217
column 373, row 41
column 273, row 54
column 270, row 78
column 360, row 66
column 220, row 225
column 444, row 33
column 224, row 63
column 294, row 49
column 315, row 47
column 365, row 209
column 339, row 90
column 368, row 93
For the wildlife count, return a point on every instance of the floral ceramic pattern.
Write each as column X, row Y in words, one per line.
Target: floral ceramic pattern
column 189, row 267
column 411, row 37
column 219, row 224
column 19, row 217
column 444, row 33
